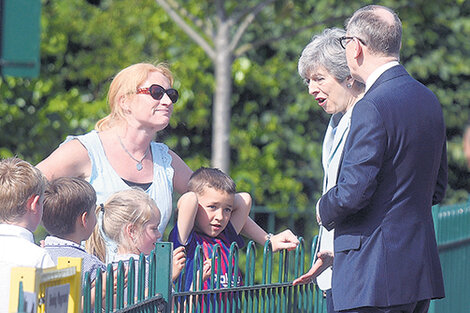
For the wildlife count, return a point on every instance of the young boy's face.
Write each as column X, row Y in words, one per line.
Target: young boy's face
column 214, row 211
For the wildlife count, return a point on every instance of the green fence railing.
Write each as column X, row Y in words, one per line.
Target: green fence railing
column 148, row 286
column 272, row 291
column 452, row 224
column 270, row 294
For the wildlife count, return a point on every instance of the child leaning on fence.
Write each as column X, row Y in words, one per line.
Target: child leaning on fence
column 206, row 217
column 21, row 202
column 127, row 226
column 69, row 217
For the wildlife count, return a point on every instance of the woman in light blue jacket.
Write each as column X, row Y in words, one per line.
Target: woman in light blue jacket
column 323, row 66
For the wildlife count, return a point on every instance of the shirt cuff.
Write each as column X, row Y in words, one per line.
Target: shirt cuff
column 317, row 209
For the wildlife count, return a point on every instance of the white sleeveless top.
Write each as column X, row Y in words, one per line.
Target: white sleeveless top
column 106, row 181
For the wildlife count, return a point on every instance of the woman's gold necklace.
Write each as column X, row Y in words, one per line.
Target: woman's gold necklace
column 139, row 165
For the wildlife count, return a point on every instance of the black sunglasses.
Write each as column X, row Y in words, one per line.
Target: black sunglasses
column 157, row 92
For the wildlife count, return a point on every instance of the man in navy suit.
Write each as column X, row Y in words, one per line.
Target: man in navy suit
column 394, row 169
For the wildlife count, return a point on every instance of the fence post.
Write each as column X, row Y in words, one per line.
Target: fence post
column 250, row 276
column 164, row 251
column 141, row 274
column 109, row 289
column 267, row 299
column 120, row 303
column 234, row 302
column 86, row 307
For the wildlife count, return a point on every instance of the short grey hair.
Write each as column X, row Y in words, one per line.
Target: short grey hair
column 324, row 50
column 379, row 36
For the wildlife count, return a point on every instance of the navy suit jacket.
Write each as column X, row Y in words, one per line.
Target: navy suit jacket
column 394, row 169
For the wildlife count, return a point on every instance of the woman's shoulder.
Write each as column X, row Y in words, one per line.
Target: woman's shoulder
column 69, row 159
column 161, row 147
column 87, row 140
column 162, row 154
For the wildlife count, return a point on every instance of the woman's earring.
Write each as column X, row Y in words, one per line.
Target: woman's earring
column 349, row 85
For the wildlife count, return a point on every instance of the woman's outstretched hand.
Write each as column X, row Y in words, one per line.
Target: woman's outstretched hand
column 324, row 260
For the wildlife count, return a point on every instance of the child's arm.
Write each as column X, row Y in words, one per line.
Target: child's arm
column 187, row 210
column 240, row 211
column 284, row 240
column 243, row 223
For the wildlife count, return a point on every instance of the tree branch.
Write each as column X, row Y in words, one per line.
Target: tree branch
column 206, row 26
column 237, row 17
column 220, row 10
column 187, row 29
column 246, row 47
column 247, row 21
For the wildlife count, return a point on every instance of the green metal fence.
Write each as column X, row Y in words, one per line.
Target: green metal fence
column 273, row 292
column 452, row 224
column 146, row 289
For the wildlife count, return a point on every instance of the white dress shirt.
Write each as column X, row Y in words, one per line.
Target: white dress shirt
column 17, row 249
column 379, row 71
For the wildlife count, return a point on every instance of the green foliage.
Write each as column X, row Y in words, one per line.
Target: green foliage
column 277, row 127
column 435, row 51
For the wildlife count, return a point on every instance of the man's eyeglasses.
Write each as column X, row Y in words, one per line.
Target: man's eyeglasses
column 157, row 92
column 343, row 42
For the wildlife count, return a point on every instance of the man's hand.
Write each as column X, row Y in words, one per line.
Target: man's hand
column 324, row 260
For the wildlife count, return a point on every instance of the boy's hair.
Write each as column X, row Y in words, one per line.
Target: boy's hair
column 207, row 177
column 131, row 206
column 65, row 199
column 19, row 180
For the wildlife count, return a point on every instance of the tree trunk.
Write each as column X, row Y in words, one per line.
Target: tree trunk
column 221, row 109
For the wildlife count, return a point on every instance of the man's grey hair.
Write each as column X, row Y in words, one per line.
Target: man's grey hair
column 380, row 36
column 324, row 50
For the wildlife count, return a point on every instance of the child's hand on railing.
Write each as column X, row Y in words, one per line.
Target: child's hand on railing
column 206, row 269
column 284, row 240
column 179, row 261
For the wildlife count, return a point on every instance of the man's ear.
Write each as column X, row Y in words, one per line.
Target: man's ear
column 34, row 203
column 358, row 49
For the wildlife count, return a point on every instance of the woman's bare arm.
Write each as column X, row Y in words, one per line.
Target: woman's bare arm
column 68, row 160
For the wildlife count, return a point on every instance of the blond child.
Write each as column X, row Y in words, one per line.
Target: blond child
column 21, row 198
column 128, row 226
